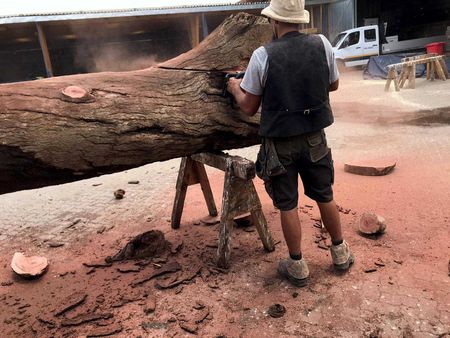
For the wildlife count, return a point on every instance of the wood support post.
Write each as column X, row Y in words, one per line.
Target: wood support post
column 44, row 48
column 392, row 76
column 444, row 67
column 412, row 76
column 194, row 30
column 439, row 70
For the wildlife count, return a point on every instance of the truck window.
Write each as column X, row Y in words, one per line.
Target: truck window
column 338, row 39
column 370, row 35
column 350, row 40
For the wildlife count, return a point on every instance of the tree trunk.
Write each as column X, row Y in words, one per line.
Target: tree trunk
column 73, row 127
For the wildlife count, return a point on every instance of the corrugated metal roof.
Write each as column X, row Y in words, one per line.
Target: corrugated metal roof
column 132, row 12
column 96, row 14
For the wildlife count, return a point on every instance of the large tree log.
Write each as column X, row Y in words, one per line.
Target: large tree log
column 51, row 132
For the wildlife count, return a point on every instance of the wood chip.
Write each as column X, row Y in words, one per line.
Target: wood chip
column 55, row 244
column 368, row 170
column 202, row 315
column 276, row 311
column 369, row 270
column 210, row 220
column 49, row 322
column 99, row 264
column 323, row 246
column 85, row 318
column 189, row 327
column 119, row 193
column 167, row 268
column 105, row 330
column 379, row 263
column 183, row 279
column 150, row 304
column 71, row 302
column 73, row 223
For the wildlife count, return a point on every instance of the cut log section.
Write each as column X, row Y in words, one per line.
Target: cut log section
column 372, row 224
column 68, row 128
column 29, row 267
column 369, row 170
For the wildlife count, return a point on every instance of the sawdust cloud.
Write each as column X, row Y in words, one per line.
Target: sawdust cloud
column 115, row 58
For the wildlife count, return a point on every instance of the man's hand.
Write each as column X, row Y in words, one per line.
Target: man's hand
column 234, row 85
column 248, row 103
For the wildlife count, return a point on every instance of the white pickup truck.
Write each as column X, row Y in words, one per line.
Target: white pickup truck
column 355, row 46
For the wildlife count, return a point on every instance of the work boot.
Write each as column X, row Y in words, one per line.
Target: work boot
column 295, row 271
column 342, row 256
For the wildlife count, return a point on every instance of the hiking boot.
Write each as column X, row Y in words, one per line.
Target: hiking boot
column 342, row 256
column 295, row 271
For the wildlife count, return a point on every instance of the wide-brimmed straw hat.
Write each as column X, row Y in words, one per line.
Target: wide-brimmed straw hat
column 291, row 11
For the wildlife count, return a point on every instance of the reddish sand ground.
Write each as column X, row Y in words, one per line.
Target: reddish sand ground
column 407, row 297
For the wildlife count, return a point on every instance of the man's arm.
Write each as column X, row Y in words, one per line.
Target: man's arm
column 334, row 86
column 248, row 103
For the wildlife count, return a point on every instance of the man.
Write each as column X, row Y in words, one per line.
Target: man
column 292, row 77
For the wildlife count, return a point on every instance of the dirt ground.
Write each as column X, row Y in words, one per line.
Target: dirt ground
column 407, row 294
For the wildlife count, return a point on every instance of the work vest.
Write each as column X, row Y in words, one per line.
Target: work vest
column 295, row 100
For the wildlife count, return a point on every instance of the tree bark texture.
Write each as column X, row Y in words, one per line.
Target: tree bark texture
column 73, row 127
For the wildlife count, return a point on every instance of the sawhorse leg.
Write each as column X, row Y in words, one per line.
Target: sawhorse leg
column 191, row 172
column 239, row 197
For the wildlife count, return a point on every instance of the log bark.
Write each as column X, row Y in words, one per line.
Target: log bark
column 73, row 127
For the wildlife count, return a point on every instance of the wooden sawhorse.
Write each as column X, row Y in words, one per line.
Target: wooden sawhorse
column 435, row 65
column 239, row 197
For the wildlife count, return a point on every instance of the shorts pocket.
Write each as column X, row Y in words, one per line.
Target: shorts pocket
column 318, row 148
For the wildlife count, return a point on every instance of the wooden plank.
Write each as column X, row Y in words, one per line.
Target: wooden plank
column 44, row 48
column 241, row 167
column 428, row 71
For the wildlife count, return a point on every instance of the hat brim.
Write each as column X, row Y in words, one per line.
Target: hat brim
column 294, row 19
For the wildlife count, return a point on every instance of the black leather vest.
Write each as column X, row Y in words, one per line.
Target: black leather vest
column 295, row 98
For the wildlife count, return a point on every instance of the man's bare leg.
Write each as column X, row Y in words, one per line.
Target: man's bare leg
column 331, row 220
column 293, row 268
column 292, row 231
column 340, row 252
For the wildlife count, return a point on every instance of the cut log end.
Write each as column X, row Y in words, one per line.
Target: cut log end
column 76, row 94
column 29, row 267
column 372, row 224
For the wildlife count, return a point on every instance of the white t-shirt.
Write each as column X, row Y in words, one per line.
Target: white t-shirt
column 256, row 73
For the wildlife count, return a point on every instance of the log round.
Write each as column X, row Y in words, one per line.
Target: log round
column 68, row 128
